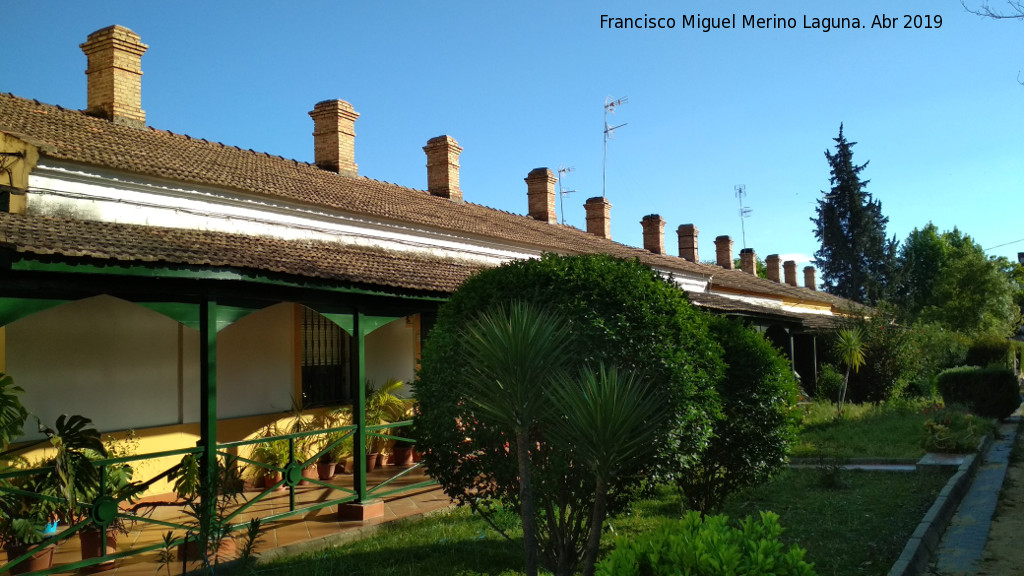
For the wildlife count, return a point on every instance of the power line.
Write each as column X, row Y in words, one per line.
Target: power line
column 1007, row 244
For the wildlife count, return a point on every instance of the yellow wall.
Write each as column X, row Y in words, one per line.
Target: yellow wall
column 164, row 438
column 16, row 169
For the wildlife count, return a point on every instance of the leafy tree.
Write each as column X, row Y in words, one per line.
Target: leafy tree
column 946, row 279
column 619, row 313
column 751, row 438
column 855, row 257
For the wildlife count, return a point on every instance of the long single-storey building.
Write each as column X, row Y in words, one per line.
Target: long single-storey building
column 191, row 290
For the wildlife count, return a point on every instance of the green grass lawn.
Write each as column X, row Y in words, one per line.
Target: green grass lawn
column 866, row 431
column 851, row 522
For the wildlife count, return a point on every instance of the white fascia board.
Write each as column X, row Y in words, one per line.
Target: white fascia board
column 688, row 282
column 64, row 189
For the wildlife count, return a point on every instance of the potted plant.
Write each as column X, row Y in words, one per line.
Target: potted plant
column 382, row 405
column 118, row 487
column 215, row 543
column 273, row 454
column 23, row 520
column 340, row 448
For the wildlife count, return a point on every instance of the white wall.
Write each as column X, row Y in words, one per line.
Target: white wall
column 390, row 353
column 256, row 363
column 109, row 360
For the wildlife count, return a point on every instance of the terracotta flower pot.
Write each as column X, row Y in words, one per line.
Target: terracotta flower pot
column 191, row 551
column 308, row 473
column 326, row 470
column 92, row 547
column 41, row 560
column 272, row 478
column 371, row 461
column 402, row 456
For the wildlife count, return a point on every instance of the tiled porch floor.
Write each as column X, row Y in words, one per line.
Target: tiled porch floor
column 303, row 531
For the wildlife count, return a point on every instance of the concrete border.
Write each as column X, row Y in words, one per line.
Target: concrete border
column 923, row 544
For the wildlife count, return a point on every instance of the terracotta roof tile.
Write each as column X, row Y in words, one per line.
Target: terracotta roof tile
column 174, row 246
column 76, row 137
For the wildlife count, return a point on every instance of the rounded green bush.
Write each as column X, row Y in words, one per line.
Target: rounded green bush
column 989, row 350
column 751, row 439
column 991, row 392
column 829, row 381
column 620, row 313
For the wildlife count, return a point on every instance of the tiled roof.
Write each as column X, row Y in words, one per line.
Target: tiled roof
column 726, row 305
column 73, row 136
column 129, row 243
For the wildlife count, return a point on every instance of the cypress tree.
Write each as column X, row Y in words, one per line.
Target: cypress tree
column 855, row 257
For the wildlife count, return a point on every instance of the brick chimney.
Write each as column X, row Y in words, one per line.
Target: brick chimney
column 687, row 242
column 810, row 282
column 790, row 268
column 748, row 261
column 772, row 266
column 599, row 220
column 114, row 75
column 334, row 136
column 540, row 191
column 443, row 167
column 654, row 233
column 723, row 252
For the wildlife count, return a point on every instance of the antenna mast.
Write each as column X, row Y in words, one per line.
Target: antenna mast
column 562, row 170
column 741, row 191
column 609, row 134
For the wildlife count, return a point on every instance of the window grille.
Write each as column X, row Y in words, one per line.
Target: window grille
column 326, row 350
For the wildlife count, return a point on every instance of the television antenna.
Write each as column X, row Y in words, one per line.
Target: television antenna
column 741, row 191
column 609, row 134
column 562, row 193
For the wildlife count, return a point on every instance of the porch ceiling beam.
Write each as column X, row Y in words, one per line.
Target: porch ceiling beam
column 66, row 287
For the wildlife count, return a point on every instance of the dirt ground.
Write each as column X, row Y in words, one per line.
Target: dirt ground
column 1004, row 552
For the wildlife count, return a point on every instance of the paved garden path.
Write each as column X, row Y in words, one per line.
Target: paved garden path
column 976, row 541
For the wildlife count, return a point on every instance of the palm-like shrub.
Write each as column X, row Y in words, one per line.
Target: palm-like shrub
column 618, row 313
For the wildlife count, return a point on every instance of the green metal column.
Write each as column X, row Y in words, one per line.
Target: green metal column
column 359, row 377
column 208, row 409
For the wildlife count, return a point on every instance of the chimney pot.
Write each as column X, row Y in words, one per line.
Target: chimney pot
column 723, row 252
column 772, row 267
column 540, row 192
column 810, row 282
column 790, row 268
column 687, row 242
column 654, row 237
column 334, row 136
column 748, row 261
column 114, row 75
column 443, row 167
column 599, row 221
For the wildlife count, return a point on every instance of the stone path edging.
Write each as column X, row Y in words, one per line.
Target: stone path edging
column 923, row 545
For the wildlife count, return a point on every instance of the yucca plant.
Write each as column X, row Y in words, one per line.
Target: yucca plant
column 609, row 420
column 514, row 352
column 850, row 346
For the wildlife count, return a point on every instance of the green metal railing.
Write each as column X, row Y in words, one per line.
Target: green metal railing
column 105, row 511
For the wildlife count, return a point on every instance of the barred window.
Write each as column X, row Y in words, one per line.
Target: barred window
column 326, row 373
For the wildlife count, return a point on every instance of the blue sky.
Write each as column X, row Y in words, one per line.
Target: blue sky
column 939, row 112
